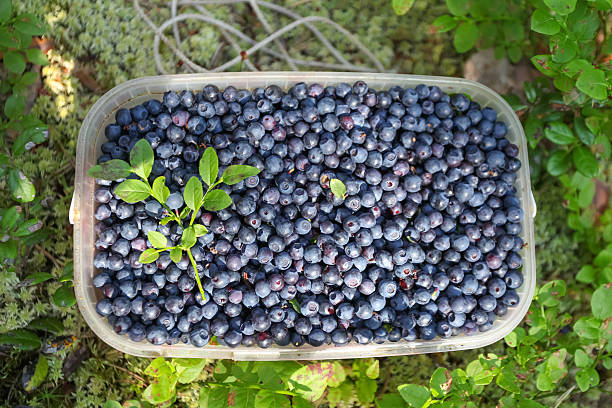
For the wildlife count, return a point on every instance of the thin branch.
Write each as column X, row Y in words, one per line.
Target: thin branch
column 48, row 255
column 133, row 374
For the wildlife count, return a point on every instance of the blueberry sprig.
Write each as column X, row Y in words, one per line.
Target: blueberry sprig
column 134, row 190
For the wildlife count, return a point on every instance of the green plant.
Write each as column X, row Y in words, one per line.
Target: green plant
column 133, row 190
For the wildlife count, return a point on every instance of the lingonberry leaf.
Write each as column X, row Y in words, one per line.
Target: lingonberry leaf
column 111, row 170
column 209, row 166
column 238, row 172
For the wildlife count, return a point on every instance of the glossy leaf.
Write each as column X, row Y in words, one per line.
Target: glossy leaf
column 141, row 158
column 544, row 23
column 64, row 296
column 593, row 83
column 21, row 187
column 111, row 170
column 585, row 161
column 216, row 200
column 27, row 228
column 238, row 172
column 586, row 194
column 50, row 324
column 559, row 133
column 587, row 378
column 558, row 163
column 37, row 277
column 132, row 191
column 21, row 339
column 28, row 137
column 562, row 7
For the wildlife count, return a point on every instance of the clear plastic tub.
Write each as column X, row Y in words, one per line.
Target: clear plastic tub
column 131, row 93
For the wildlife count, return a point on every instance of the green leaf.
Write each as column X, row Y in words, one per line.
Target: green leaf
column 507, row 380
column 445, row 23
column 209, row 166
column 401, row 7
column 132, row 191
column 299, row 402
column 576, row 67
column 21, row 339
column 601, row 302
column 193, row 193
column 141, row 158
column 238, row 172
column 372, row 371
column 559, row 133
column 50, row 324
column 111, row 170
column 366, row 390
column 14, row 106
column 40, row 373
column 31, row 135
column 158, row 240
column 216, row 397
column 243, row 397
column 593, row 83
column 465, row 36
column 10, row 217
column 440, row 382
column 527, row 403
column 393, row 400
column 585, row 161
column 189, row 369
column 29, row 24
column 587, row 378
column 269, row 399
column 176, row 255
column 587, row 192
column 457, row 7
column 415, row 395
column 314, row 377
column 159, row 190
column 563, row 50
column 27, row 228
column 583, row 23
column 14, row 61
column 165, row 220
column 21, row 187
column 112, row 404
column 6, row 9
column 36, row 56
column 558, row 162
column 200, row 230
column 296, row 305
column 216, row 200
column 8, row 39
column 562, row 7
column 184, row 212
column 148, row 256
column 582, row 131
column 188, row 239
column 37, row 277
column 550, row 294
column 586, row 274
column 64, row 296
column 338, row 188
column 8, row 249
column 582, row 359
column 515, row 53
column 544, row 23
column 587, row 327
column 543, row 63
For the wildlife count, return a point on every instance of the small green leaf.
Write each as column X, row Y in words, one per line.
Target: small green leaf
column 112, row 404
column 188, row 239
column 373, row 370
column 558, row 162
column 176, row 254
column 457, row 7
column 582, row 131
column 586, row 274
column 366, row 390
column 216, row 200
column 64, row 296
column 158, row 240
column 593, row 83
column 10, row 217
column 111, row 170
column 40, row 373
column 14, row 106
column 159, row 190
column 189, row 369
column 36, row 56
column 6, row 9
column 415, row 395
column 441, row 382
column 582, row 359
column 132, row 191
column 193, row 193
column 296, row 305
column 543, row 63
column 27, row 228
column 200, row 230
column 14, row 61
column 338, row 188
column 148, row 256
column 37, row 277
column 465, row 36
column 141, row 158
column 563, row 50
column 314, row 377
column 50, row 324
column 29, row 24
column 445, row 23
column 544, row 23
column 21, row 187
column 585, row 161
column 601, row 302
column 587, row 378
column 559, row 133
column 264, row 399
column 209, row 166
column 507, row 380
column 165, row 220
column 562, row 7
column 21, row 339
column 401, row 7
column 28, row 136
column 238, row 172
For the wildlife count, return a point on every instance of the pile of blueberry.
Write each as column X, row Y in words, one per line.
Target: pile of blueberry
column 424, row 243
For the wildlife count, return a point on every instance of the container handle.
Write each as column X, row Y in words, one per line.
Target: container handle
column 534, row 208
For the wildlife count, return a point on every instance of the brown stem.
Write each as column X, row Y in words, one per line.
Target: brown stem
column 136, row 376
column 48, row 255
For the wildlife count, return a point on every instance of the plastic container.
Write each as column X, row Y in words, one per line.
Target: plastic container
column 131, row 93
